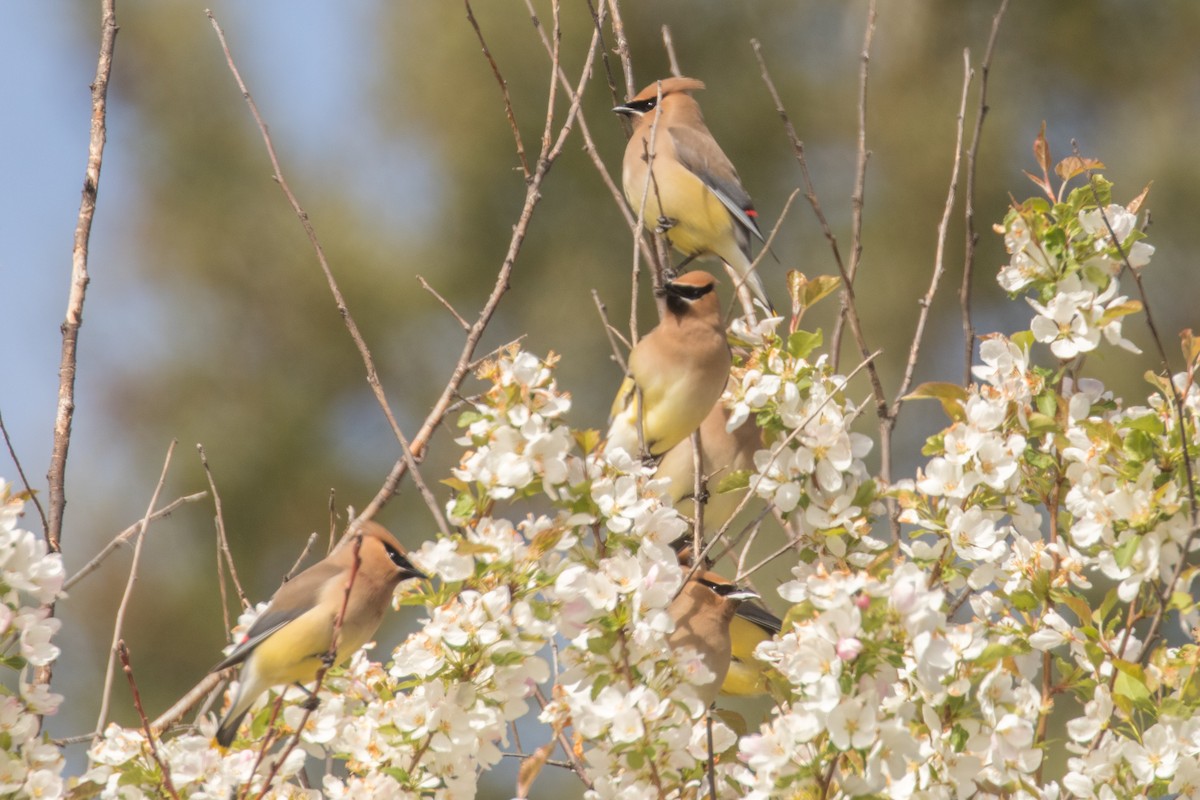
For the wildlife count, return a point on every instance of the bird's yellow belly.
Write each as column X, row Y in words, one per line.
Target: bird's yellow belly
column 698, row 223
column 296, row 652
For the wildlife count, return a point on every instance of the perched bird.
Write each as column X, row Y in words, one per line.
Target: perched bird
column 722, row 453
column 676, row 372
column 695, row 194
column 751, row 624
column 702, row 613
column 290, row 640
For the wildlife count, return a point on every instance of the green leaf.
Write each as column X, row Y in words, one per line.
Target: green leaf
column 1047, row 403
column 952, row 396
column 1140, row 445
column 801, row 343
column 464, row 506
column 1118, row 311
column 1124, row 554
column 1024, row 601
column 734, row 481
column 996, row 652
column 1130, row 683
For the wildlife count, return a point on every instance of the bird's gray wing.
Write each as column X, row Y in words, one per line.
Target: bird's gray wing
column 705, row 159
column 293, row 599
column 753, row 612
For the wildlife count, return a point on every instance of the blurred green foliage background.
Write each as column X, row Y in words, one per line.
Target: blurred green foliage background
column 208, row 320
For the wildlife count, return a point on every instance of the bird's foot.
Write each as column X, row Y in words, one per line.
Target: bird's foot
column 311, row 703
column 665, row 224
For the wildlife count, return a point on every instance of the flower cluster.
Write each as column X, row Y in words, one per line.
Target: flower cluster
column 814, row 471
column 1046, row 546
column 30, row 580
column 881, row 683
column 1069, row 254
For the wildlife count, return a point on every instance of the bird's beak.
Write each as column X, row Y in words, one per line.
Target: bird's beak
column 627, row 111
column 407, row 570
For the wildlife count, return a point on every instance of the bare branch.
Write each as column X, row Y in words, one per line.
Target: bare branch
column 740, row 280
column 860, row 179
column 669, row 45
column 614, row 9
column 798, row 151
column 508, row 108
column 308, row 545
column 124, row 536
column 848, row 288
column 222, row 544
column 549, row 153
column 12, row 452
column 972, row 238
column 939, row 261
column 184, row 704
column 466, row 326
column 612, row 333
column 123, row 651
column 65, row 413
column 119, row 622
column 364, row 352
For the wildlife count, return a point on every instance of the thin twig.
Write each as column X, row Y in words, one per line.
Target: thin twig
column 123, row 652
column 614, row 10
column 549, row 153
column 12, row 452
column 939, row 261
column 740, row 280
column 612, row 333
column 340, row 301
column 222, row 541
column 333, row 520
column 881, row 406
column 669, row 45
column 188, row 701
column 508, row 108
column 124, row 536
column 291, row 573
column 65, row 413
column 119, row 622
column 810, row 191
column 589, row 145
column 598, row 20
column 639, row 226
column 860, row 179
column 466, row 326
column 972, row 238
column 775, row 451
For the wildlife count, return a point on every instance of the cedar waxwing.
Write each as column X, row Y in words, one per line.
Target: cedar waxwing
column 702, row 612
column 751, row 624
column 676, row 372
column 721, row 453
column 289, row 641
column 695, row 193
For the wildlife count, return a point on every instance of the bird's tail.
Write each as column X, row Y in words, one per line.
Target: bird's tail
column 227, row 732
column 745, row 276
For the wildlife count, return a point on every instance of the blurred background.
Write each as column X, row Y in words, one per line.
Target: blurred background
column 208, row 320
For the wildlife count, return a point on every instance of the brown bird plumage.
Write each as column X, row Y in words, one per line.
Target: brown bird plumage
column 289, row 641
column 702, row 613
column 678, row 369
column 722, row 453
column 696, row 194
column 752, row 623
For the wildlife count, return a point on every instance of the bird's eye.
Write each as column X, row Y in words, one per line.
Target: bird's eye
column 688, row 292
column 396, row 556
